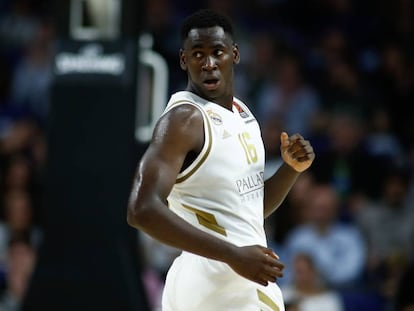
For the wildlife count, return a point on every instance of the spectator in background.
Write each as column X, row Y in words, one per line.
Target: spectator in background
column 252, row 75
column 17, row 137
column 381, row 141
column 329, row 46
column 18, row 173
column 344, row 162
column 287, row 98
column 308, row 290
column 17, row 222
column 33, row 74
column 16, row 127
column 18, row 219
column 344, row 89
column 17, row 26
column 18, row 176
column 338, row 249
column 21, row 258
column 395, row 83
column 388, row 226
column 397, row 23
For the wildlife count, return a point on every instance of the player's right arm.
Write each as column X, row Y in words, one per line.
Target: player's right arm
column 179, row 132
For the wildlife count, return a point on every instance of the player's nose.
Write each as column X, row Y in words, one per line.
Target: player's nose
column 209, row 63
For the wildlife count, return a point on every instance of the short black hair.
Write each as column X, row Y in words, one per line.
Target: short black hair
column 206, row 18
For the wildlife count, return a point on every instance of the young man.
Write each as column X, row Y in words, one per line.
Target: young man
column 199, row 186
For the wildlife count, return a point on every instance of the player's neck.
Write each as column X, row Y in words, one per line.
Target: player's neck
column 225, row 100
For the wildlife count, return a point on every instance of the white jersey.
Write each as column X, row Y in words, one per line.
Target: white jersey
column 221, row 192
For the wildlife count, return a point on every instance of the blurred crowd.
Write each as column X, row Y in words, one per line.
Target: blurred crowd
column 340, row 72
column 26, row 40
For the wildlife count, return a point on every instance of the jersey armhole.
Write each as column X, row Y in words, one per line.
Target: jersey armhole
column 202, row 156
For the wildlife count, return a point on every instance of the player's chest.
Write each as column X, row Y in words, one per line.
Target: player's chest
column 236, row 141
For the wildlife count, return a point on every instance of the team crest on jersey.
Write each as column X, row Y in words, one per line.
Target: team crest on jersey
column 215, row 117
column 243, row 113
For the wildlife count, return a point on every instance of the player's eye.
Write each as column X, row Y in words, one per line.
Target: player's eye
column 219, row 52
column 197, row 54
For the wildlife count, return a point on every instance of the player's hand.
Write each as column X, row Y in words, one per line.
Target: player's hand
column 257, row 263
column 296, row 151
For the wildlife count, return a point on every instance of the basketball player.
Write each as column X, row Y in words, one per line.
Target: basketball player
column 199, row 186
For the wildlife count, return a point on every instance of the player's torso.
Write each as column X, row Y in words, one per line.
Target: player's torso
column 222, row 191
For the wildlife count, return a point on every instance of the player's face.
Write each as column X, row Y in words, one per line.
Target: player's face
column 208, row 57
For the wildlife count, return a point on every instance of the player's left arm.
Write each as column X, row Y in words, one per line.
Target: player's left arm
column 298, row 155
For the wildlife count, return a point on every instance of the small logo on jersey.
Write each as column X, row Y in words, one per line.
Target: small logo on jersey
column 226, row 134
column 242, row 113
column 215, row 117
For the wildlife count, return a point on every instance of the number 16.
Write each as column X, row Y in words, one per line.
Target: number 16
column 249, row 149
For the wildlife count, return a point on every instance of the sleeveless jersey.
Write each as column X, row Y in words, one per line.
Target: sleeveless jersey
column 222, row 191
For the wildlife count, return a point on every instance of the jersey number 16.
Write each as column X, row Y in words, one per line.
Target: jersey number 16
column 249, row 149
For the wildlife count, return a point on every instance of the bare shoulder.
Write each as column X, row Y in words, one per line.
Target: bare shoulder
column 181, row 125
column 183, row 114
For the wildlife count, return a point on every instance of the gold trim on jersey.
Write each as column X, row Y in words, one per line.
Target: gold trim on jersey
column 267, row 300
column 203, row 154
column 207, row 220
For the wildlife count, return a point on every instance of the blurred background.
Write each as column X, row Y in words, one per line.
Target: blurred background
column 81, row 85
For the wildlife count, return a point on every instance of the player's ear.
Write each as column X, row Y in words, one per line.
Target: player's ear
column 236, row 54
column 183, row 63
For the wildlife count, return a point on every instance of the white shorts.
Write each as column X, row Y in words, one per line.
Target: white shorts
column 196, row 283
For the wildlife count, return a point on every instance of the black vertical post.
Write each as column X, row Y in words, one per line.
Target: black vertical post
column 89, row 259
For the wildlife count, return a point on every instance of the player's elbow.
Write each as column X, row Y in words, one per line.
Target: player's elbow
column 137, row 215
column 132, row 218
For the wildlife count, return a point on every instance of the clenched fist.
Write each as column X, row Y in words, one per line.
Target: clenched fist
column 296, row 151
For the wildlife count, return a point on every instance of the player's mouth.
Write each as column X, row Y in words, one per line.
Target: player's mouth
column 211, row 84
